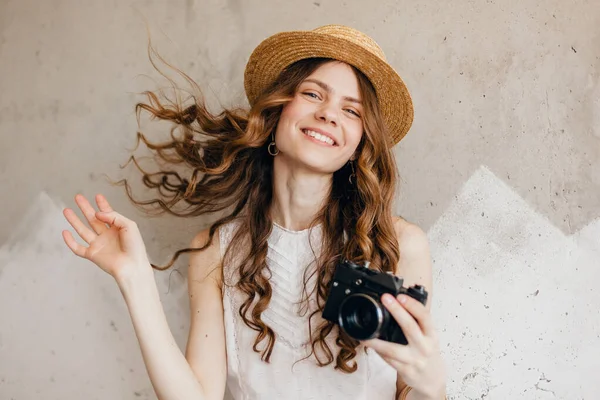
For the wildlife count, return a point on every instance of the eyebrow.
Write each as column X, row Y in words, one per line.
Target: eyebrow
column 329, row 89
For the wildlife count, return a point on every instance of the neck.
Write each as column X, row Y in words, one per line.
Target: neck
column 298, row 194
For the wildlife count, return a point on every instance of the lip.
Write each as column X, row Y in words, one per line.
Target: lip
column 322, row 132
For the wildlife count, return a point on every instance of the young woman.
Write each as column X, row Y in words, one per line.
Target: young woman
column 303, row 180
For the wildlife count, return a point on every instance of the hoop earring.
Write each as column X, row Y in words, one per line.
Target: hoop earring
column 352, row 176
column 272, row 147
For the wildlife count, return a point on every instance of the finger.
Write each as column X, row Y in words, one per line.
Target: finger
column 103, row 204
column 90, row 214
column 397, row 365
column 410, row 327
column 401, row 358
column 82, row 230
column 113, row 218
column 419, row 312
column 75, row 247
column 390, row 350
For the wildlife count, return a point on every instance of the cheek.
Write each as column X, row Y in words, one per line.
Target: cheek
column 293, row 111
column 356, row 134
column 290, row 115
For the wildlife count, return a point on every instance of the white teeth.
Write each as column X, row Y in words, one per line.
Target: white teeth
column 319, row 137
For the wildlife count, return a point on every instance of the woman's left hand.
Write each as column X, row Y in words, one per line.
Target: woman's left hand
column 419, row 363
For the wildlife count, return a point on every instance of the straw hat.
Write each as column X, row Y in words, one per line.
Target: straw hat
column 338, row 42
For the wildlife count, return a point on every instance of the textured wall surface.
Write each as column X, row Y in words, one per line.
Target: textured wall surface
column 501, row 167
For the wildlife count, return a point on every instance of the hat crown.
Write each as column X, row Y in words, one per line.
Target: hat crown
column 354, row 36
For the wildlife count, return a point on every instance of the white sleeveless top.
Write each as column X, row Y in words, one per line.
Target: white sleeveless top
column 286, row 377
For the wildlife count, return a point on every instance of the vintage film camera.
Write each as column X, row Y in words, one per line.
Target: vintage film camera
column 354, row 302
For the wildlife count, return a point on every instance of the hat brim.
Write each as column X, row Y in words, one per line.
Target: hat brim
column 277, row 52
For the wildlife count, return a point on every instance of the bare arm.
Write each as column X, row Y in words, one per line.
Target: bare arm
column 415, row 266
column 170, row 374
column 206, row 342
column 114, row 244
column 201, row 373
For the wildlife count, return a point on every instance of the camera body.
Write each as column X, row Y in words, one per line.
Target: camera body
column 354, row 302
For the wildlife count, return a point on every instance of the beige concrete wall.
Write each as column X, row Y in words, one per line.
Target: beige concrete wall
column 502, row 168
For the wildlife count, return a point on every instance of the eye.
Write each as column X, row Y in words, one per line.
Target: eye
column 353, row 112
column 312, row 94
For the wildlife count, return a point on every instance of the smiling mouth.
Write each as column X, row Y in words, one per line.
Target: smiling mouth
column 321, row 138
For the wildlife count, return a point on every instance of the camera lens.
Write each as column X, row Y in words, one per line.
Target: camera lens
column 361, row 316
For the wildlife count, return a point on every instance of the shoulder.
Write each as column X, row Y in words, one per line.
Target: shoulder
column 205, row 263
column 411, row 238
column 202, row 238
column 415, row 265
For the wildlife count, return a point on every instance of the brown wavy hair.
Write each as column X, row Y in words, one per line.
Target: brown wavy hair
column 230, row 172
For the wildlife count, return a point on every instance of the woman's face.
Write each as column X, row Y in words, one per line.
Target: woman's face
column 322, row 126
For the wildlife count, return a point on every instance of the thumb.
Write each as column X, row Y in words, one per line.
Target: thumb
column 113, row 218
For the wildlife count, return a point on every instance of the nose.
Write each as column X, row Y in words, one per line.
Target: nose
column 327, row 113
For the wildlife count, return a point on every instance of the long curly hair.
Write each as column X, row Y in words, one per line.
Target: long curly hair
column 230, row 174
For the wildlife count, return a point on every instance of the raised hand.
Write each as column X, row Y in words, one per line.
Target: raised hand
column 114, row 242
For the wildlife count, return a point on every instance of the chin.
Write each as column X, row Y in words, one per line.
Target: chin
column 318, row 162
